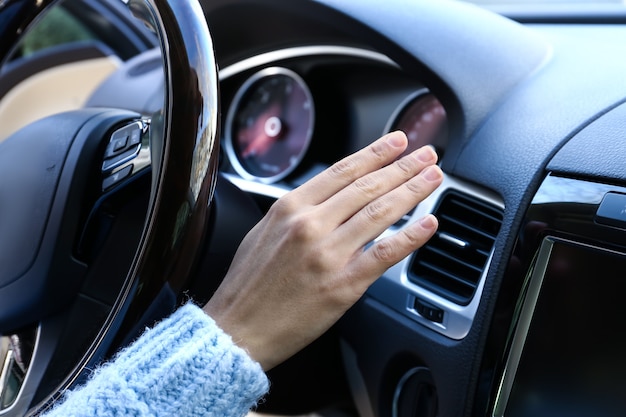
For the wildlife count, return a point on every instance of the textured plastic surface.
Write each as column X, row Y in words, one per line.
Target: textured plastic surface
column 597, row 151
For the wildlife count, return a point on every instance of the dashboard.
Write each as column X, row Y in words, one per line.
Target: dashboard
column 449, row 331
column 288, row 119
column 291, row 113
column 515, row 307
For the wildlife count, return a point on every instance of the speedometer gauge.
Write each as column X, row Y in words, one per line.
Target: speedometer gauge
column 422, row 117
column 269, row 125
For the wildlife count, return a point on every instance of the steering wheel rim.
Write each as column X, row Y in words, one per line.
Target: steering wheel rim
column 183, row 175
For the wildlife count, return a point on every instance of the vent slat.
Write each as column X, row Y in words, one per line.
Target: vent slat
column 470, row 228
column 456, row 278
column 447, row 268
column 467, row 226
column 494, row 215
column 452, row 258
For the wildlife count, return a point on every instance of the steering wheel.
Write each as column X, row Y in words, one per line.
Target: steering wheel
column 102, row 212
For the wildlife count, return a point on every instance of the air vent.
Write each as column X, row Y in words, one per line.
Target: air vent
column 452, row 262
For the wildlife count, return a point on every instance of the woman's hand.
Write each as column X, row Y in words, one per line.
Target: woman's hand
column 304, row 264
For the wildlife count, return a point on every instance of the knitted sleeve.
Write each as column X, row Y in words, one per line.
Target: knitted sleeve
column 184, row 366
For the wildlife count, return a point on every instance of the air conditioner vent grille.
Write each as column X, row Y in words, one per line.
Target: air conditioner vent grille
column 453, row 261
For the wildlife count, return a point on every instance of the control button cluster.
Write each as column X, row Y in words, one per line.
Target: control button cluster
column 123, row 147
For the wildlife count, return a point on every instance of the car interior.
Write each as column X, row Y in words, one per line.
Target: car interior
column 134, row 159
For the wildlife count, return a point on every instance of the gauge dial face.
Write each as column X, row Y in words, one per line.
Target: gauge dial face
column 424, row 120
column 269, row 125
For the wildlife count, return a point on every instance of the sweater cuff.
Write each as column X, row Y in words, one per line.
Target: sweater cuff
column 185, row 365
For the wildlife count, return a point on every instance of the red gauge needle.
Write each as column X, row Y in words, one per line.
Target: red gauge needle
column 266, row 131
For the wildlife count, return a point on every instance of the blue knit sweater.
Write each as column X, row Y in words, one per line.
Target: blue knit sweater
column 184, row 366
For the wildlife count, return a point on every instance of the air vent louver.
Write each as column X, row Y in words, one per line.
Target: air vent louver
column 452, row 262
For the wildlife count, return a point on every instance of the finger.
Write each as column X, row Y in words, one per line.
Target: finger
column 376, row 259
column 364, row 190
column 330, row 181
column 380, row 214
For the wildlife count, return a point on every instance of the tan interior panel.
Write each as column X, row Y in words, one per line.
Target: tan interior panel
column 61, row 88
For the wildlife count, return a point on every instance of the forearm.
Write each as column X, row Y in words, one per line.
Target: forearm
column 184, row 366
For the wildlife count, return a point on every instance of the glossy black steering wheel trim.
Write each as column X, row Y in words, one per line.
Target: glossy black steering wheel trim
column 184, row 173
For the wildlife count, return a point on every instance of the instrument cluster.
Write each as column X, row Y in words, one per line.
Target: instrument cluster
column 277, row 115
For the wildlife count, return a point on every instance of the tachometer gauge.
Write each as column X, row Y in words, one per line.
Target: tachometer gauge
column 422, row 117
column 269, row 125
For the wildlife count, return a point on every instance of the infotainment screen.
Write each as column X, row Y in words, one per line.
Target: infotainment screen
column 569, row 357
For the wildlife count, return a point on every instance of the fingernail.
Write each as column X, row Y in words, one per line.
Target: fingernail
column 425, row 154
column 428, row 222
column 431, row 173
column 396, row 140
